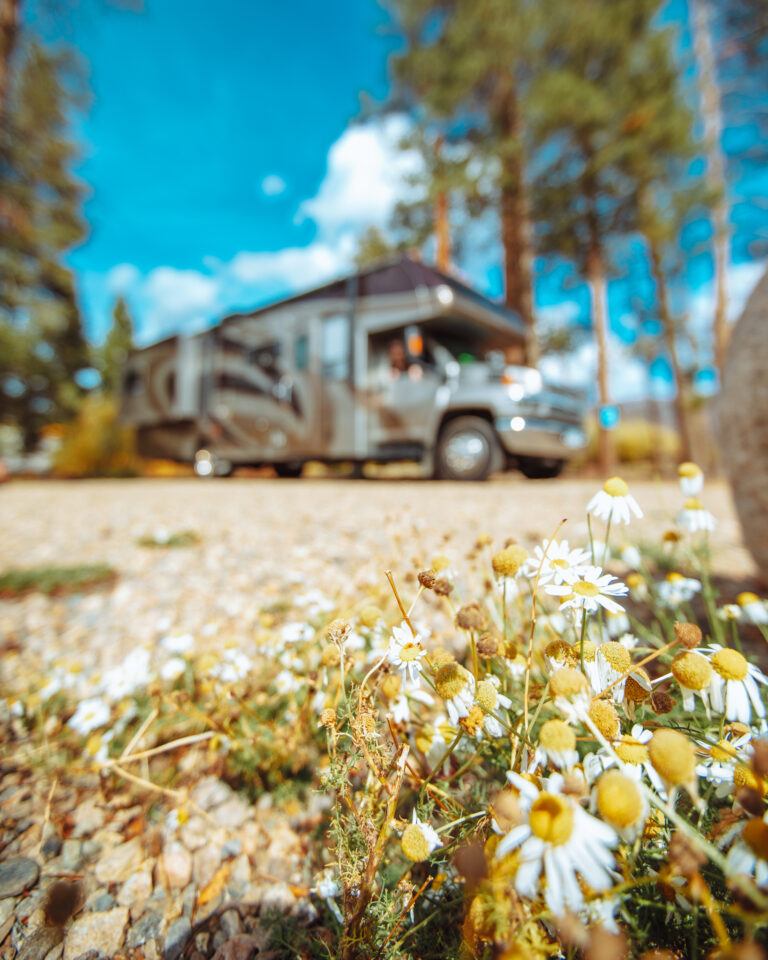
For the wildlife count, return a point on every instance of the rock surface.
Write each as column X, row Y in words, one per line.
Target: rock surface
column 17, row 875
column 97, row 931
column 744, row 422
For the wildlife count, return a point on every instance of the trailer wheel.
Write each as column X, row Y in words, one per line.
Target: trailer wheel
column 466, row 450
column 288, row 470
column 541, row 469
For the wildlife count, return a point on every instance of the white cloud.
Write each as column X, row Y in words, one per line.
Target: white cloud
column 121, row 278
column 273, row 185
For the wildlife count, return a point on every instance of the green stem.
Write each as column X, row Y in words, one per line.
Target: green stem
column 582, row 638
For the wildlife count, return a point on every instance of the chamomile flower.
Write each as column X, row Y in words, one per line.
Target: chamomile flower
column 620, row 802
column 632, row 750
column 729, row 612
column 615, row 501
column 400, row 706
column 734, row 685
column 90, row 715
column 419, row 840
column 489, row 700
column 173, row 668
column 755, row 609
column 555, row 560
column 591, row 590
column 571, row 694
column 749, row 854
column 694, row 674
column 617, row 623
column 557, row 840
column 674, row 759
column 233, row 666
column 677, row 589
column 727, row 763
column 694, row 518
column 405, row 653
column 613, row 661
column 557, row 746
column 456, row 686
column 631, row 556
column 691, row 479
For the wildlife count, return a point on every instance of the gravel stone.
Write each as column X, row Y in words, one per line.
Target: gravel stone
column 51, row 847
column 241, row 947
column 96, row 931
column 116, row 865
column 136, row 891
column 231, row 923
column 177, row 864
column 71, row 855
column 17, row 875
column 100, row 900
column 149, row 927
column 176, row 939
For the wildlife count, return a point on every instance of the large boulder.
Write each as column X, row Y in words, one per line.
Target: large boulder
column 744, row 422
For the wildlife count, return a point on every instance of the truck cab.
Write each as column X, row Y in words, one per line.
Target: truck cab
column 400, row 362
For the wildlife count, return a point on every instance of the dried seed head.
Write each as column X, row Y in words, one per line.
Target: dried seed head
column 470, row 617
column 508, row 561
column 603, row 714
column 331, row 657
column 366, row 726
column 328, row 717
column 442, row 587
column 662, row 702
column 691, row 670
column 427, row 578
column 684, row 857
column 391, row 686
column 672, row 756
column 688, row 634
column 487, row 645
column 618, row 799
column 339, row 630
column 561, row 652
column 370, row 616
column 635, row 692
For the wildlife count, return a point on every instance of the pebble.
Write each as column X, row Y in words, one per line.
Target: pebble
column 88, row 818
column 136, row 891
column 231, row 924
column 241, row 947
column 17, row 875
column 71, row 855
column 176, row 939
column 211, row 792
column 51, row 847
column 232, row 814
column 206, row 862
column 194, row 833
column 96, row 931
column 100, row 900
column 149, row 927
column 177, row 864
column 116, row 865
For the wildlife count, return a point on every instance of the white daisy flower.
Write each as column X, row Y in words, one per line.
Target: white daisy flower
column 691, row 479
column 615, row 501
column 400, row 707
column 556, row 560
column 592, row 589
column 677, row 589
column 632, row 751
column 727, row 763
column 287, row 682
column 456, row 686
column 694, row 518
column 488, row 698
column 749, row 854
column 90, row 715
column 433, row 741
column 234, row 666
column 405, row 653
column 734, row 688
column 178, row 643
column 729, row 611
column 556, row 748
column 133, row 672
column 631, row 556
column 620, row 801
column 172, row 669
column 296, row 633
column 557, row 840
column 755, row 609
column 617, row 623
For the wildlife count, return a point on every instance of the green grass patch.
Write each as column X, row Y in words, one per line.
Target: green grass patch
column 185, row 538
column 55, row 580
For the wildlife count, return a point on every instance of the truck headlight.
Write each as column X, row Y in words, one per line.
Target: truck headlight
column 574, row 438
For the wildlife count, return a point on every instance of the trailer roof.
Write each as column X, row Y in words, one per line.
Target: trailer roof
column 401, row 274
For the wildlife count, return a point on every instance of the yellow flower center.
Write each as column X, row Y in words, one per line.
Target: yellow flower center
column 634, row 691
column 616, row 487
column 744, row 776
column 744, row 599
column 615, row 655
column 630, row 750
column 590, row 649
column 586, row 589
column 411, row 651
column 756, row 837
column 672, row 756
column 451, row 679
column 722, row 752
column 508, row 561
column 551, row 819
column 414, row 843
column 560, row 650
column 693, row 504
column 486, row 696
column 688, row 470
column 567, row 682
column 730, row 664
column 635, row 580
column 473, row 723
column 557, row 736
column 561, row 564
column 424, row 738
column 370, row 616
column 691, row 670
column 618, row 799
column 603, row 715
column 674, row 577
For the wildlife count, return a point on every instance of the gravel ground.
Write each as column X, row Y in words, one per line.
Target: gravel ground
column 317, row 542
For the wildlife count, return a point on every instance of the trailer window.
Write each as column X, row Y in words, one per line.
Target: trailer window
column 335, row 347
column 301, row 353
column 267, row 356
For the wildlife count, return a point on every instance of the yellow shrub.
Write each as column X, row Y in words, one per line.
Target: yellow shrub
column 637, row 441
column 96, row 444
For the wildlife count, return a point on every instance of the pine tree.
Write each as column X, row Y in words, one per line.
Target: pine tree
column 40, row 220
column 116, row 347
column 373, row 246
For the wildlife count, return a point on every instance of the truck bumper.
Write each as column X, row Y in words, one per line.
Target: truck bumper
column 548, row 439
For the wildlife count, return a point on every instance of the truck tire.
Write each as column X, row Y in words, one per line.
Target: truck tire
column 288, row 470
column 536, row 469
column 467, row 449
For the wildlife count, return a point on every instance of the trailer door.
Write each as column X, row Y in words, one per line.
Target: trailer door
column 337, row 398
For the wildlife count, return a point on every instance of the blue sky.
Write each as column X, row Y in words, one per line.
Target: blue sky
column 223, row 168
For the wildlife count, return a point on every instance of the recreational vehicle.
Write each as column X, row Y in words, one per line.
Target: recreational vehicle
column 397, row 362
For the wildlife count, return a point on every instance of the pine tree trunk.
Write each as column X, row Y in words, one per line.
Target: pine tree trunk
column 598, row 289
column 665, row 316
column 516, row 232
column 9, row 25
column 442, row 233
column 711, row 108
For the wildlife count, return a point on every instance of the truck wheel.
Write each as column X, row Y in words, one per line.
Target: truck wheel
column 466, row 450
column 288, row 470
column 540, row 469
